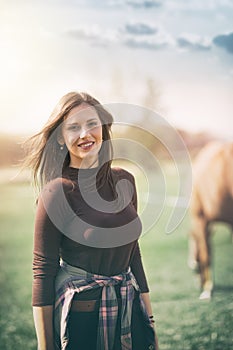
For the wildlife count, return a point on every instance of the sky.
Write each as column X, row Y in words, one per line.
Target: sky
column 112, row 49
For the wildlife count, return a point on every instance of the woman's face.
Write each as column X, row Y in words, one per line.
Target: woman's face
column 82, row 134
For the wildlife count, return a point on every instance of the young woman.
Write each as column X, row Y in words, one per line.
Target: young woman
column 89, row 289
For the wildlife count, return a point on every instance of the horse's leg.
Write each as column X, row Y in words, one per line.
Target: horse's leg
column 193, row 253
column 201, row 235
column 205, row 262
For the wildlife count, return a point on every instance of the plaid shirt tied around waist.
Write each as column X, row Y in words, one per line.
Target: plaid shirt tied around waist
column 71, row 280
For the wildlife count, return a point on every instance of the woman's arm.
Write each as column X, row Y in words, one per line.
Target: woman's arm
column 43, row 320
column 47, row 242
column 147, row 303
column 138, row 271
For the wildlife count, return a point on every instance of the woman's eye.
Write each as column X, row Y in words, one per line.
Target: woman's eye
column 73, row 127
column 92, row 124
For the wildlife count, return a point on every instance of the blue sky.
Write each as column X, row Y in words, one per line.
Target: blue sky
column 111, row 48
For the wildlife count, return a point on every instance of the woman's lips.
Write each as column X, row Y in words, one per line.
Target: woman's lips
column 86, row 145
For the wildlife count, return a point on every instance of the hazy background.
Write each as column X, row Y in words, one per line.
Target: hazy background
column 179, row 53
column 174, row 57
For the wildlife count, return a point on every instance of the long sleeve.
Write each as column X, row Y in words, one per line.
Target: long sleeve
column 136, row 263
column 47, row 241
column 138, row 270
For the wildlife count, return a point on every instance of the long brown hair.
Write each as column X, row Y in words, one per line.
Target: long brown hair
column 44, row 154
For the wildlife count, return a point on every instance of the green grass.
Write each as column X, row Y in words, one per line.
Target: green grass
column 16, row 326
column 183, row 322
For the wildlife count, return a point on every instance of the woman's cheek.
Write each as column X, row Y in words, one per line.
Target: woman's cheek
column 71, row 140
column 98, row 134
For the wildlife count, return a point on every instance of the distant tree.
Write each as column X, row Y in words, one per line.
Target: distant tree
column 117, row 85
column 152, row 98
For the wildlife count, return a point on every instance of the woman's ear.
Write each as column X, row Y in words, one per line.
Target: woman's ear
column 61, row 142
column 60, row 139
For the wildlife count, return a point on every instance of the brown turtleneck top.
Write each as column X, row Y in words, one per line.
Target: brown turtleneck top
column 86, row 228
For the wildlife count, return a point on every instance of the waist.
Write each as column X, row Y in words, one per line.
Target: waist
column 84, row 305
column 94, row 294
column 87, row 286
column 78, row 272
column 87, row 305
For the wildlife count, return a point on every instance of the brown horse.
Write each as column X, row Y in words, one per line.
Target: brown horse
column 212, row 201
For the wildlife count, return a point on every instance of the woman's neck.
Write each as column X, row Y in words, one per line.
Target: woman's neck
column 85, row 165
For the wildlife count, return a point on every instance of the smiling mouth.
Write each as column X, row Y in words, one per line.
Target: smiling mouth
column 86, row 145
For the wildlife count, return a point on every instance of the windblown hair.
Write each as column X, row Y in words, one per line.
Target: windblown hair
column 44, row 155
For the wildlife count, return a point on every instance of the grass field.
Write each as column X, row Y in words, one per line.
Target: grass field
column 183, row 322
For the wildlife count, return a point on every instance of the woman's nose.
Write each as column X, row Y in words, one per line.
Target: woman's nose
column 83, row 133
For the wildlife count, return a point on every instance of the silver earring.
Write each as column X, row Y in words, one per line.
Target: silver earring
column 61, row 147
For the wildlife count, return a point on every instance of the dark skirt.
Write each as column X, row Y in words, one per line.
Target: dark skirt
column 83, row 327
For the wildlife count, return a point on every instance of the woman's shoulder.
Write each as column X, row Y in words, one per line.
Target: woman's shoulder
column 122, row 173
column 54, row 195
column 58, row 184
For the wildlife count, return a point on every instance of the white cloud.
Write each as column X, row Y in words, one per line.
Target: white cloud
column 146, row 43
column 145, row 35
column 136, row 3
column 94, row 34
column 198, row 5
column 145, row 3
column 194, row 42
column 140, row 28
column 224, row 41
column 159, row 40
